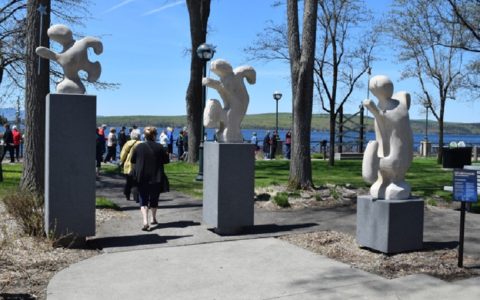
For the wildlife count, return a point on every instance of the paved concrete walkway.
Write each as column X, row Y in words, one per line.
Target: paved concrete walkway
column 182, row 259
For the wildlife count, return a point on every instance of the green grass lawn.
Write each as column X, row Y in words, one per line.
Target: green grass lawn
column 426, row 177
column 11, row 178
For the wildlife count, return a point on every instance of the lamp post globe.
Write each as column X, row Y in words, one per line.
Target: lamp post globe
column 205, row 52
column 277, row 95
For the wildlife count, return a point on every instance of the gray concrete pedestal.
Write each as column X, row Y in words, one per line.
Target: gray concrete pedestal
column 390, row 226
column 228, row 186
column 70, row 165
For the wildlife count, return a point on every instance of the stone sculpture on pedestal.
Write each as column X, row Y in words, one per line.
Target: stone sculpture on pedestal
column 231, row 88
column 387, row 159
column 73, row 58
column 388, row 220
column 70, row 208
column 228, row 201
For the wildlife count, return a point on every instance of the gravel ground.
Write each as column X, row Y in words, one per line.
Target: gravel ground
column 441, row 263
column 27, row 264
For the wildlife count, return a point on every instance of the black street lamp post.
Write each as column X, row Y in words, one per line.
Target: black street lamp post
column 425, row 144
column 426, row 104
column 276, row 96
column 205, row 52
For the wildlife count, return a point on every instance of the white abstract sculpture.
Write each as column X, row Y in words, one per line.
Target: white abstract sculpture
column 73, row 58
column 387, row 159
column 231, row 88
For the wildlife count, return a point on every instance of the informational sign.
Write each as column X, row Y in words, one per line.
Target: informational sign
column 465, row 185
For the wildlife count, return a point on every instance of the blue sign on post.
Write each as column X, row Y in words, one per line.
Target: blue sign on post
column 465, row 185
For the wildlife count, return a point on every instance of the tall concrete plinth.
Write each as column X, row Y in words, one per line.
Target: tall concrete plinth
column 390, row 226
column 228, row 186
column 70, row 165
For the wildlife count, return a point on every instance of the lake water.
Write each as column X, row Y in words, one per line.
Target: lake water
column 317, row 136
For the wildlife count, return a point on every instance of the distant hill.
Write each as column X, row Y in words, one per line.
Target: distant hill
column 320, row 122
column 10, row 113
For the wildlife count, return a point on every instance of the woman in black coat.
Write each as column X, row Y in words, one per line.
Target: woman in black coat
column 149, row 158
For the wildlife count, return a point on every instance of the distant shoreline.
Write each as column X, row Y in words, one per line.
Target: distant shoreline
column 320, row 122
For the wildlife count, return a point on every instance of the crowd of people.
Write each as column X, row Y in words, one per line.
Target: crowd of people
column 141, row 158
column 271, row 142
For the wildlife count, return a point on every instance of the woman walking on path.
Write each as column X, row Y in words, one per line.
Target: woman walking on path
column 125, row 158
column 149, row 158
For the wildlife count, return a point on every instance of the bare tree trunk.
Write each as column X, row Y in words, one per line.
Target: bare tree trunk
column 441, row 131
column 301, row 64
column 331, row 151
column 199, row 11
column 37, row 87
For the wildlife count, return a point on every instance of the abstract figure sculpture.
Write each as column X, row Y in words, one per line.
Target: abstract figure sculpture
column 73, row 58
column 231, row 88
column 387, row 159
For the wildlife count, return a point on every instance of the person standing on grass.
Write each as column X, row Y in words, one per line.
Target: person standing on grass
column 180, row 144
column 17, row 140
column 8, row 143
column 164, row 141
column 149, row 159
column 122, row 137
column 111, row 146
column 288, row 144
column 266, row 145
column 99, row 150
column 170, row 140
column 125, row 158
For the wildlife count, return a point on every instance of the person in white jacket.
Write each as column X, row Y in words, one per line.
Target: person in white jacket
column 164, row 141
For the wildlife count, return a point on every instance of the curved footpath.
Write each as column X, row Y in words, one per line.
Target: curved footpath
column 182, row 259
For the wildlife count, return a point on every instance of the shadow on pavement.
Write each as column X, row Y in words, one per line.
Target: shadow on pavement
column 131, row 240
column 176, row 224
column 274, row 228
column 135, row 206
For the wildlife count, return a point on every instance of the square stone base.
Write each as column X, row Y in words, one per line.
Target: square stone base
column 390, row 226
column 70, row 165
column 228, row 186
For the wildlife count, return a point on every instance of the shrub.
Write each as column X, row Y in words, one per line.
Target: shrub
column 263, row 197
column 27, row 209
column 281, row 199
column 335, row 193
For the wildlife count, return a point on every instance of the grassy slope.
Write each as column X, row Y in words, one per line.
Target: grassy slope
column 267, row 121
